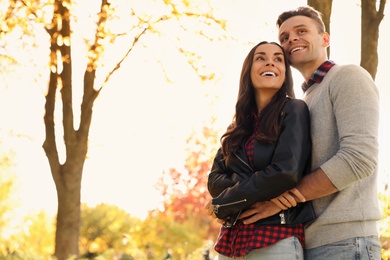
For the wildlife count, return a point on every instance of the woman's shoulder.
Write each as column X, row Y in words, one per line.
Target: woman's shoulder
column 295, row 104
column 297, row 109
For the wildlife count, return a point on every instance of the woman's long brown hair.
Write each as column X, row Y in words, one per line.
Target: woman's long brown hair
column 243, row 123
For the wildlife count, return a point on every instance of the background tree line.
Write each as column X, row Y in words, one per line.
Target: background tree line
column 180, row 225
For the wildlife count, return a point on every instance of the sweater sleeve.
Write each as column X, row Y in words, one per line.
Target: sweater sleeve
column 354, row 97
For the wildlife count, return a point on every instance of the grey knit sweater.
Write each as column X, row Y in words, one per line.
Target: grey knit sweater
column 344, row 113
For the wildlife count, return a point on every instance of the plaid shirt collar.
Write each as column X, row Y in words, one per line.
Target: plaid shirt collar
column 318, row 75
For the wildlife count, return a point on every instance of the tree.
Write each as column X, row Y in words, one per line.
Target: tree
column 35, row 235
column 7, row 187
column 59, row 21
column 371, row 19
column 105, row 227
column 185, row 195
column 384, row 224
column 67, row 175
column 324, row 7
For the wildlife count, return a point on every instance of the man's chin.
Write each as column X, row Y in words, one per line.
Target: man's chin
column 295, row 61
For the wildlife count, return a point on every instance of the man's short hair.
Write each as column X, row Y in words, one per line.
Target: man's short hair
column 307, row 11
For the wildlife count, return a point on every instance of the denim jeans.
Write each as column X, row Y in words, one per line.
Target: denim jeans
column 359, row 248
column 286, row 249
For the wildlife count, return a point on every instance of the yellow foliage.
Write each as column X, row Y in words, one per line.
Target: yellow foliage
column 7, row 188
column 35, row 236
column 384, row 225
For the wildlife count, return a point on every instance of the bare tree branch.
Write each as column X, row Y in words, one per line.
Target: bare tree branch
column 136, row 39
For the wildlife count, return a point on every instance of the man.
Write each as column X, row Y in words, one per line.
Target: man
column 343, row 104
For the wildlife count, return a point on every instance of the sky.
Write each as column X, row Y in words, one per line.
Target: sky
column 141, row 121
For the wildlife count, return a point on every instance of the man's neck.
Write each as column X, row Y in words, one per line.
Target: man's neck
column 308, row 69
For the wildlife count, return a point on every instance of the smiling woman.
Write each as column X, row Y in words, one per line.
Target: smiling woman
column 262, row 156
column 267, row 73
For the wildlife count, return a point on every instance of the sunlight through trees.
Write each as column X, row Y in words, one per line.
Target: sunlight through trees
column 122, row 94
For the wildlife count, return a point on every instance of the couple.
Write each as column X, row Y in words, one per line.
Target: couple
column 298, row 174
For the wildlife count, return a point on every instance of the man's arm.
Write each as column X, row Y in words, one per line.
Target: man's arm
column 316, row 185
column 313, row 186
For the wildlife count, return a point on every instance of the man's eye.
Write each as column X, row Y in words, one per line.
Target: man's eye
column 284, row 39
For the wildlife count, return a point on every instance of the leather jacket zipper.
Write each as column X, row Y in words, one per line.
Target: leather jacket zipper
column 282, row 218
column 216, row 207
column 243, row 161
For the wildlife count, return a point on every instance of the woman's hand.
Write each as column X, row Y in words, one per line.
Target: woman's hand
column 289, row 199
column 210, row 211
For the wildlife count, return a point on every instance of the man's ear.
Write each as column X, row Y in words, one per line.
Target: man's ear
column 326, row 39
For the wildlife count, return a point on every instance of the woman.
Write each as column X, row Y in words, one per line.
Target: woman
column 264, row 153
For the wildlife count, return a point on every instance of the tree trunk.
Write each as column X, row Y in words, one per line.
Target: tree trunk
column 371, row 20
column 324, row 7
column 67, row 176
column 68, row 216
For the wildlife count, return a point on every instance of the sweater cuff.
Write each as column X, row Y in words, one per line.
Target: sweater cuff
column 338, row 172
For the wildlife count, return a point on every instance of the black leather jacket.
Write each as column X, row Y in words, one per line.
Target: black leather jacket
column 278, row 166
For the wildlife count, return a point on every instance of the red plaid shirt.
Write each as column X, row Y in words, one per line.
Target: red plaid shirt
column 240, row 239
column 318, row 75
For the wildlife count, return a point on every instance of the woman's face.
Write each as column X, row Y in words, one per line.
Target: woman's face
column 268, row 70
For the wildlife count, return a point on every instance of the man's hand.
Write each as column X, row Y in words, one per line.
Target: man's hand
column 289, row 199
column 259, row 210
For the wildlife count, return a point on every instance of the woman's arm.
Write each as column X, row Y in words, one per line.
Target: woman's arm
column 288, row 164
column 222, row 177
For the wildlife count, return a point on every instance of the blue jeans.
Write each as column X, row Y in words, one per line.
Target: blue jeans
column 286, row 249
column 359, row 248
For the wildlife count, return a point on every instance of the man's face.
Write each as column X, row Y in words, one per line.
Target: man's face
column 301, row 41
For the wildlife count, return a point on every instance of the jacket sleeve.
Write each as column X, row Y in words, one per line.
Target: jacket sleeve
column 288, row 163
column 222, row 177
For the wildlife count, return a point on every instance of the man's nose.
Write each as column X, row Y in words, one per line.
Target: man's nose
column 293, row 37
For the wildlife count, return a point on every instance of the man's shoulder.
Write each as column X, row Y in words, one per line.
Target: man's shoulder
column 349, row 79
column 348, row 70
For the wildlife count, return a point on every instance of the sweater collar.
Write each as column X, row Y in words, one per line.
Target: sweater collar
column 318, row 75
